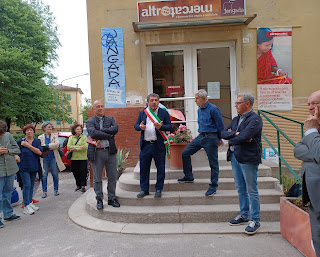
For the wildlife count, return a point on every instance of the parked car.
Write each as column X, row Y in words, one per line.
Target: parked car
column 63, row 139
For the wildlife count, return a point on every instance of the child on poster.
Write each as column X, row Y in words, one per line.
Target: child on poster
column 267, row 68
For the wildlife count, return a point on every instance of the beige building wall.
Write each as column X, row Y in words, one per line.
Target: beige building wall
column 303, row 16
column 76, row 105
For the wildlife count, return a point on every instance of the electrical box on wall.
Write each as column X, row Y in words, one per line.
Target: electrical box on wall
column 137, row 101
column 128, row 101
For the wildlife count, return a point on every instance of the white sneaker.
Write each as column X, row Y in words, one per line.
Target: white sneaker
column 28, row 210
column 35, row 208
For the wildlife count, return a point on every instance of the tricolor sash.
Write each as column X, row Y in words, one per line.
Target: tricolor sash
column 154, row 118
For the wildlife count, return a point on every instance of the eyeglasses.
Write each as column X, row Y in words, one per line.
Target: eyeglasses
column 313, row 103
column 237, row 103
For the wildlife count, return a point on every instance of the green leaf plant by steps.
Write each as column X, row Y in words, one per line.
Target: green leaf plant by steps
column 122, row 160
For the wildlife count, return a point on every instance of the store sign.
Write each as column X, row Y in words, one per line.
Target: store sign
column 188, row 9
column 113, row 67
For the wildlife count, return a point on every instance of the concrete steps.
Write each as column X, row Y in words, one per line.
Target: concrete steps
column 201, row 172
column 192, row 198
column 181, row 203
column 128, row 183
column 175, row 213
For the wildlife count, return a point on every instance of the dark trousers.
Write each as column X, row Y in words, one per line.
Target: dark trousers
column 79, row 169
column 149, row 151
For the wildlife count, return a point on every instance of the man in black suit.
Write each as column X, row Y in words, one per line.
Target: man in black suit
column 103, row 128
column 244, row 135
column 308, row 150
column 153, row 122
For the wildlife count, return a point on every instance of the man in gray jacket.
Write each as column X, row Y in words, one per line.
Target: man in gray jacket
column 308, row 150
column 8, row 170
column 103, row 129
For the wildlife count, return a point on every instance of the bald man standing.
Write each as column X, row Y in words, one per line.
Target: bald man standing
column 103, row 128
column 308, row 151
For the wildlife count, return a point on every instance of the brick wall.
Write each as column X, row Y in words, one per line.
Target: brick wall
column 127, row 137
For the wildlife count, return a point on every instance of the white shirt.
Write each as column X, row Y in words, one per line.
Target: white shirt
column 150, row 131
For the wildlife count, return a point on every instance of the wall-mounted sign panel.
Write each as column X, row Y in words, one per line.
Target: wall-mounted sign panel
column 113, row 67
column 188, row 9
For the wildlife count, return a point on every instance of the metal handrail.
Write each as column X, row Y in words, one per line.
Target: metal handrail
column 279, row 131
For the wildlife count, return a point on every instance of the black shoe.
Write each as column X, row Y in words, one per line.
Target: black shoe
column 83, row 190
column 13, row 217
column 185, row 180
column 157, row 194
column 114, row 203
column 142, row 194
column 99, row 203
column 77, row 188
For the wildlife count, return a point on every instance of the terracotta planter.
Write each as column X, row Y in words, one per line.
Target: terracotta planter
column 176, row 155
column 295, row 227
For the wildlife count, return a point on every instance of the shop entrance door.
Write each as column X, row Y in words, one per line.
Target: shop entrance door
column 176, row 73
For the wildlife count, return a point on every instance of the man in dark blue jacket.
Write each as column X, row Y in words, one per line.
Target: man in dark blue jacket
column 103, row 128
column 244, row 135
column 152, row 144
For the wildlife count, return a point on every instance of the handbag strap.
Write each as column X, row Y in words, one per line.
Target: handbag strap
column 77, row 141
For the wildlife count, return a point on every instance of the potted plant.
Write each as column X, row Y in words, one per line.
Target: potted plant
column 179, row 140
column 122, row 161
column 294, row 220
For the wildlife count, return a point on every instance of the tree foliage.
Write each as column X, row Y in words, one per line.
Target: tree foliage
column 28, row 42
column 85, row 108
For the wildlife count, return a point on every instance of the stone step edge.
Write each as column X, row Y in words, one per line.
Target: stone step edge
column 225, row 208
column 190, row 194
column 222, row 168
column 127, row 178
column 80, row 217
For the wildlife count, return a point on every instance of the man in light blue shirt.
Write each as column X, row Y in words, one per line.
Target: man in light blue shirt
column 209, row 138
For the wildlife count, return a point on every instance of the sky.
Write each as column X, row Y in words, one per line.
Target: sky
column 71, row 18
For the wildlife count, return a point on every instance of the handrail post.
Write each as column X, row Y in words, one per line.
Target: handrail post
column 279, row 151
column 301, row 131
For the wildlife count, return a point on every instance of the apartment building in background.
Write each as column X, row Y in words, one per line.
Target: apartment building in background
column 74, row 96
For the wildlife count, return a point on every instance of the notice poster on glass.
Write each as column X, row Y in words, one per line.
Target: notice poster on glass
column 274, row 68
column 113, row 67
column 213, row 89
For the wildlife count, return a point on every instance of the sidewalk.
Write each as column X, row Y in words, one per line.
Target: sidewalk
column 50, row 232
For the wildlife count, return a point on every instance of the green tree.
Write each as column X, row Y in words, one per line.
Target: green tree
column 28, row 43
column 85, row 108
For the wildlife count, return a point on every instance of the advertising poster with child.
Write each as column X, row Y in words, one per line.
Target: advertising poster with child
column 274, row 68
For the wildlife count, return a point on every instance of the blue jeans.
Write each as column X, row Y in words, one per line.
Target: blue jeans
column 6, row 189
column 245, row 178
column 210, row 144
column 54, row 172
column 27, row 178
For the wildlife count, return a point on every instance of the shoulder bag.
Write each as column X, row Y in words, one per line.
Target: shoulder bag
column 69, row 155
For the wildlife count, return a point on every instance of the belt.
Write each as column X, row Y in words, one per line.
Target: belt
column 151, row 141
column 207, row 133
column 103, row 148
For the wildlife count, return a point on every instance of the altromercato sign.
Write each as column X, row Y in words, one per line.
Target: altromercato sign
column 188, row 9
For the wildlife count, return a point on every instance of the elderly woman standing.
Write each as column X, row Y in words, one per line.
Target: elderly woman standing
column 52, row 160
column 29, row 166
column 8, row 170
column 78, row 145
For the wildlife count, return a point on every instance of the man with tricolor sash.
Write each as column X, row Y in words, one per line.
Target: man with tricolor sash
column 153, row 122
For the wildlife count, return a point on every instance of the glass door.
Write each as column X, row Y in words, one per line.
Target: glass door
column 176, row 73
column 213, row 70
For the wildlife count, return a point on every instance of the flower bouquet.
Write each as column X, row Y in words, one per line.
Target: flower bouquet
column 181, row 135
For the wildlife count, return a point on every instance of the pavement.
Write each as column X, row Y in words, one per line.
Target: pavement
column 50, row 232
